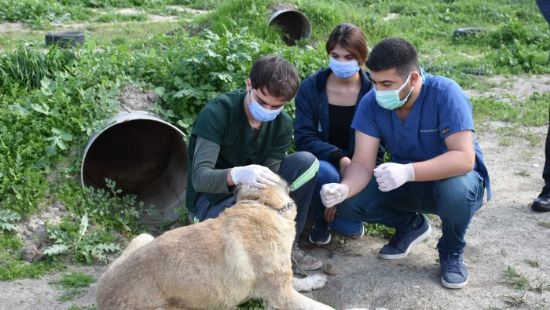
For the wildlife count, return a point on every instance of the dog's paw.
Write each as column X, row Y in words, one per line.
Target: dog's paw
column 309, row 283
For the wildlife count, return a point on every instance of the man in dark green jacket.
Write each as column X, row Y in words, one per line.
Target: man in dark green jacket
column 242, row 137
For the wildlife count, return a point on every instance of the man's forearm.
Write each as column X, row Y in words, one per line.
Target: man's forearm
column 449, row 164
column 205, row 178
column 357, row 177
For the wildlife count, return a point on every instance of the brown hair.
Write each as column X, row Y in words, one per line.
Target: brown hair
column 351, row 38
column 278, row 76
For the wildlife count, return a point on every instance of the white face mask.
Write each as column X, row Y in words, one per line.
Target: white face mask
column 343, row 69
column 389, row 99
column 260, row 113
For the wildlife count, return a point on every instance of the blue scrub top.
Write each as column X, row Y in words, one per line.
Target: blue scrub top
column 441, row 109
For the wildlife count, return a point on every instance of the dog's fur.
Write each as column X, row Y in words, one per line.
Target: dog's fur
column 215, row 264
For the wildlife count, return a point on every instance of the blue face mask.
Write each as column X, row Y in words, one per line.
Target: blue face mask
column 343, row 69
column 389, row 99
column 260, row 113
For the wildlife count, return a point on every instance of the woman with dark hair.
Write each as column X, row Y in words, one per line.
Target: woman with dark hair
column 325, row 106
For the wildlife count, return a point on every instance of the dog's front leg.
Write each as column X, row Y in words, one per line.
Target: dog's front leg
column 290, row 299
column 311, row 282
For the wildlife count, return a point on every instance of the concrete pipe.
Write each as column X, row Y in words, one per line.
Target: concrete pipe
column 145, row 156
column 293, row 23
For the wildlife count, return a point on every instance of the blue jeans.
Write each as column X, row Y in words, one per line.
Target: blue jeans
column 328, row 173
column 454, row 200
column 292, row 167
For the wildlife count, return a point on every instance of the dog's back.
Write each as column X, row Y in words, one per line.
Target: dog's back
column 215, row 264
column 212, row 262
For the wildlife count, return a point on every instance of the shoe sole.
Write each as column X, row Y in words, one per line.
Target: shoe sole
column 415, row 241
column 453, row 285
column 320, row 242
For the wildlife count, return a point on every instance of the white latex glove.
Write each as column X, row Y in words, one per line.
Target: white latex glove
column 254, row 175
column 391, row 175
column 333, row 193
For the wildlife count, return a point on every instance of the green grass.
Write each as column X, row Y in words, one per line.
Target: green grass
column 253, row 304
column 74, row 284
column 111, row 17
column 11, row 267
column 516, row 279
column 519, row 282
column 128, row 34
column 531, row 112
column 102, row 34
column 42, row 13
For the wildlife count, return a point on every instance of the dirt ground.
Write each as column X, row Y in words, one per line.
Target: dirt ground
column 504, row 233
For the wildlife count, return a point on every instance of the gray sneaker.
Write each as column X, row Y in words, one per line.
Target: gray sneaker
column 303, row 261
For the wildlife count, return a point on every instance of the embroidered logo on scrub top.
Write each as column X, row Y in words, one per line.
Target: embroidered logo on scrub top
column 428, row 130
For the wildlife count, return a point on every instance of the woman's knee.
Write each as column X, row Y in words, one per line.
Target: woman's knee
column 327, row 173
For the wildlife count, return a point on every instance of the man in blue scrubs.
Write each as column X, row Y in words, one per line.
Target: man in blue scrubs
column 426, row 124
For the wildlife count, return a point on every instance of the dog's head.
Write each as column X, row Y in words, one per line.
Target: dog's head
column 275, row 197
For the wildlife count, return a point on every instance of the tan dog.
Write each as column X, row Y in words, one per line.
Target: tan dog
column 215, row 264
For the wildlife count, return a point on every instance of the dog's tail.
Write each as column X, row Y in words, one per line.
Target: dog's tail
column 135, row 244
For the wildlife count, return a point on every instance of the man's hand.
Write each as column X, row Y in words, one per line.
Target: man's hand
column 254, row 175
column 391, row 175
column 333, row 194
column 330, row 214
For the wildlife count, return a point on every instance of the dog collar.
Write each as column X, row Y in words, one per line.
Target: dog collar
column 281, row 211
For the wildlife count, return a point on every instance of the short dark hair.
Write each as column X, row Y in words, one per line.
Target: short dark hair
column 276, row 75
column 351, row 38
column 393, row 53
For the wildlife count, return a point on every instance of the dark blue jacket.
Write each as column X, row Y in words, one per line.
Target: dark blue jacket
column 312, row 120
column 544, row 7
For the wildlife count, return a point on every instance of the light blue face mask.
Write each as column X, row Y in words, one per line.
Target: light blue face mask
column 343, row 69
column 389, row 99
column 260, row 113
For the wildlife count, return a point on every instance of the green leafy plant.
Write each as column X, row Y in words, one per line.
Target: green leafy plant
column 223, row 61
column 7, row 220
column 379, row 230
column 82, row 243
column 109, row 207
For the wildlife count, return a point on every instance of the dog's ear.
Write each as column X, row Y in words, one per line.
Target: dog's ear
column 246, row 192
